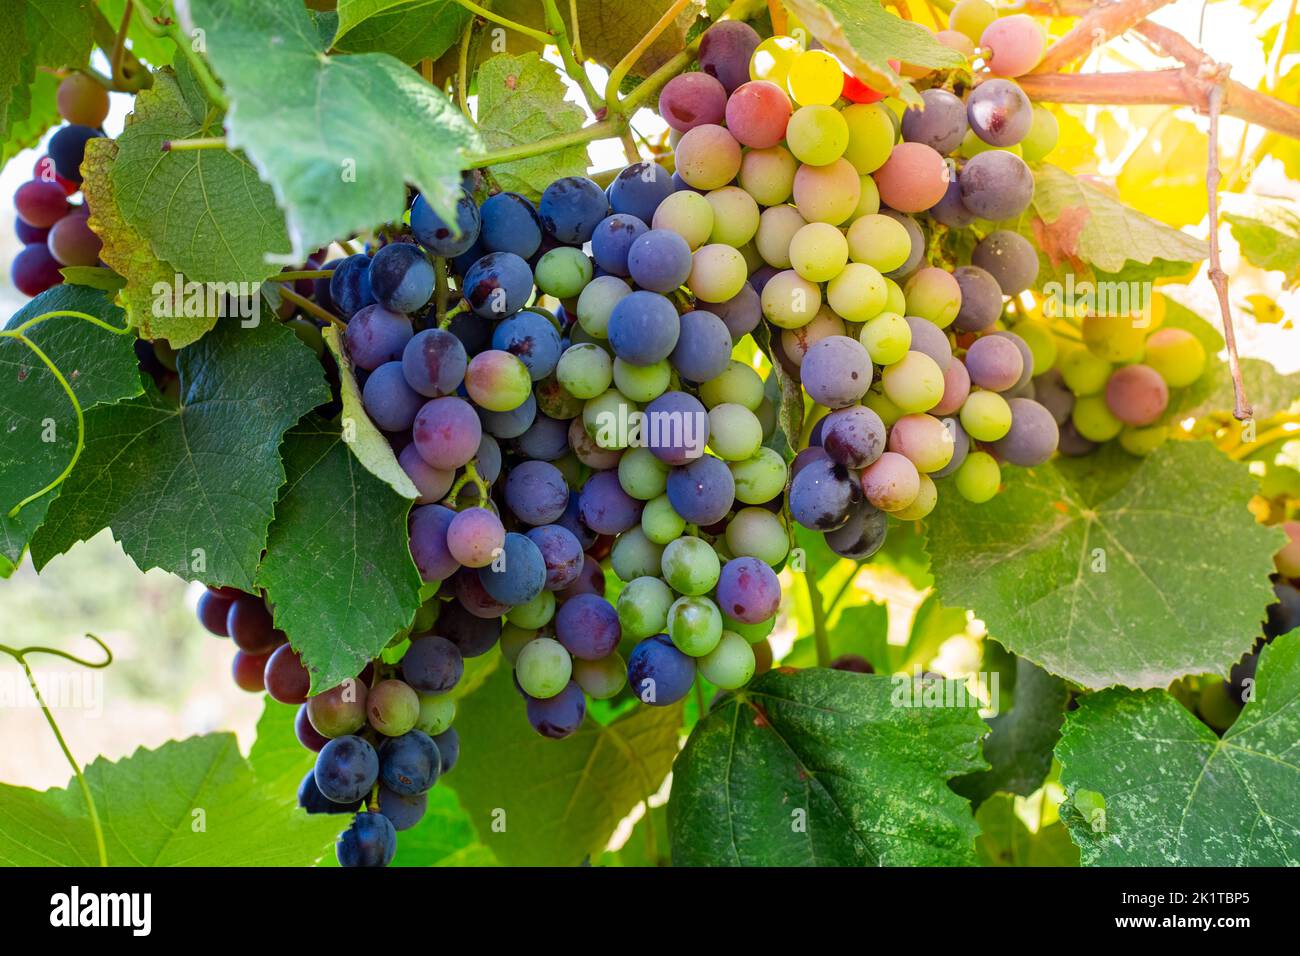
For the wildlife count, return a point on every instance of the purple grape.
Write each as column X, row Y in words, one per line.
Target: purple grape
column 436, row 234
column 370, row 841
column 561, row 553
column 659, row 260
column 350, row 286
column 498, row 285
column 28, row 234
column 643, row 327
column 1026, row 360
column 639, row 189
column 474, row 636
column 918, row 244
column 428, row 525
column 1009, row 258
column 703, row 491
column 960, row 448
column 823, row 494
column 533, row 339
column 1051, row 392
column 862, row 535
column 433, row 362
column 981, row 299
column 547, row 439
column 742, row 312
column 432, row 665
column 401, row 277
column 572, row 522
column 446, row 432
column 605, row 507
column 748, row 590
column 996, row 185
column 388, row 400
column 703, row 349
column 474, row 598
column 346, row 768
column 658, row 673
column 448, row 748
column 409, row 764
column 836, row 371
column 612, row 240
column 67, row 149
column 587, row 625
column 994, row 363
column 939, row 124
column 488, row 458
column 950, row 211
column 536, row 492
column 1033, row 435
column 930, row 340
column 675, row 428
column 313, row 801
column 853, row 436
column 725, row 51
column 998, row 112
column 375, row 336
column 520, row 574
column 590, row 580
column 807, row 456
column 510, row 224
column 559, row 716
column 571, row 208
column 402, row 812
column 511, row 424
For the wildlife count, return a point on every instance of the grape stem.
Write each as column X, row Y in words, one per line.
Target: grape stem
column 307, row 305
column 620, row 71
column 1094, row 29
column 820, row 638
column 128, row 74
column 539, row 35
column 198, row 142
column 304, row 274
column 20, row 655
column 560, row 37
column 462, row 72
column 471, row 476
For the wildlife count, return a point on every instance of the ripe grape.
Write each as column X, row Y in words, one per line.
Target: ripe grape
column 929, row 339
column 518, row 574
column 371, row 840
column 862, row 535
column 996, row 185
column 638, row 190
column 708, row 157
column 1016, row 44
column 1137, row 395
column 499, row 284
column 509, row 223
column 530, row 337
column 749, row 590
column 1009, row 258
column 999, row 112
column 34, row 270
column 837, row 371
column 72, row 242
column 692, row 99
column 605, row 507
column 446, row 432
column 41, row 203
column 643, row 327
column 402, row 812
column 1033, row 435
column 346, row 769
column 389, row 401
column 725, row 51
column 285, row 677
column 475, row 536
column 994, row 363
column 940, row 123
column 981, row 298
column 375, row 336
column 588, row 627
column 349, row 287
column 441, row 237
column 956, row 386
column 432, row 665
column 823, row 494
column 1026, row 358
column 702, row 491
column 949, row 210
column 571, row 208
column 703, row 348
column 757, row 115
column 559, row 716
column 913, row 179
column 67, row 148
column 658, row 673
column 474, row 635
column 611, row 242
column 401, row 277
column 660, row 261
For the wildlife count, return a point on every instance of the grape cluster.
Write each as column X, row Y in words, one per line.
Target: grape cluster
column 381, row 739
column 801, row 196
column 54, row 230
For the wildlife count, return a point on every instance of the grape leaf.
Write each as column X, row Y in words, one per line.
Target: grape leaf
column 190, row 488
column 1269, row 391
column 338, row 569
column 157, row 51
column 866, row 36
column 824, row 768
column 42, row 115
column 573, row 792
column 1075, row 225
column 99, row 366
column 153, row 305
column 1270, row 238
column 521, row 100
column 52, row 33
column 276, row 756
column 1019, row 745
column 366, row 441
column 193, row 802
column 1095, row 568
column 1004, row 839
column 202, row 210
column 1175, row 793
column 410, row 30
column 338, row 137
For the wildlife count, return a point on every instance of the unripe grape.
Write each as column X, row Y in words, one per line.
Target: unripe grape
column 1141, row 442
column 1176, row 355
column 858, row 293
column 819, row 251
column 789, row 300
column 927, row 496
column 393, row 707
column 978, row 477
column 708, row 157
column 795, row 343
column 1094, row 420
column 1137, row 395
column 1016, row 44
column 772, row 59
column 817, row 135
column 913, row 384
column 971, row 18
column 879, row 241
column 82, row 100
column 891, row 482
column 815, row 77
column 986, row 416
column 689, row 215
column 1114, row 338
column 735, row 216
column 731, row 663
column 913, row 179
column 718, row 273
column 923, row 440
column 887, row 337
column 932, row 293
column 734, row 432
column 1083, row 372
column 777, row 228
column 766, row 174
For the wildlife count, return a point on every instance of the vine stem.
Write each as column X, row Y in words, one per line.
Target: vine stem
column 600, row 130
column 198, row 142
column 820, row 638
column 471, row 476
column 307, row 305
column 128, row 74
column 620, row 71
column 538, row 35
column 20, row 333
column 20, row 655
column 1094, row 29
column 1218, row 278
column 303, row 274
column 462, row 72
column 560, row 37
column 211, row 88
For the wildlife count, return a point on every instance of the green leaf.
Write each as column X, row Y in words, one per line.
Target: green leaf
column 862, row 629
column 94, row 277
column 190, row 488
column 1270, row 238
column 203, row 210
column 338, row 568
column 1075, row 226
column 42, row 115
column 825, row 768
column 52, row 33
column 410, row 30
column 337, row 137
column 276, row 756
column 1096, row 568
column 1176, row 794
column 366, row 441
column 1019, row 745
column 646, row 845
column 99, row 366
column 865, row 36
column 193, row 802
column 521, row 100
column 540, row 802
column 1005, row 840
column 157, row 51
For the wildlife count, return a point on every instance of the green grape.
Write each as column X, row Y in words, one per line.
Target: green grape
column 543, row 668
column 689, row 215
column 731, row 663
column 752, row 258
column 535, row 613
column 880, row 242
column 978, row 477
column 1142, row 441
column 927, row 496
column 914, row 383
column 609, row 406
column 1044, row 133
column 1041, row 342
column 933, row 294
column 1114, row 338
column 760, row 478
column 1082, row 372
column 895, row 301
column 1177, row 356
column 886, row 338
column 513, row 639
column 734, row 432
column 777, row 227
column 738, row 383
column 555, row 401
column 972, row 17
column 437, row 711
column 758, row 533
column 393, row 707
column 767, row 175
column 642, row 383
column 869, row 198
column 819, row 251
column 1093, row 419
column 660, row 522
column 634, row 555
column 643, row 607
column 694, row 625
column 857, row 293
column 690, row 566
column 641, row 474
column 772, row 59
column 601, row 679
column 585, row 370
column 766, row 413
column 563, row 272
column 817, row 135
column 871, row 136
column 985, row 416
column 597, row 301
column 752, row 633
column 971, row 146
column 718, row 273
column 882, row 406
column 735, row 215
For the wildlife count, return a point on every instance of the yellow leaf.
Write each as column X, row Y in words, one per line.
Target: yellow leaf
column 1165, row 175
